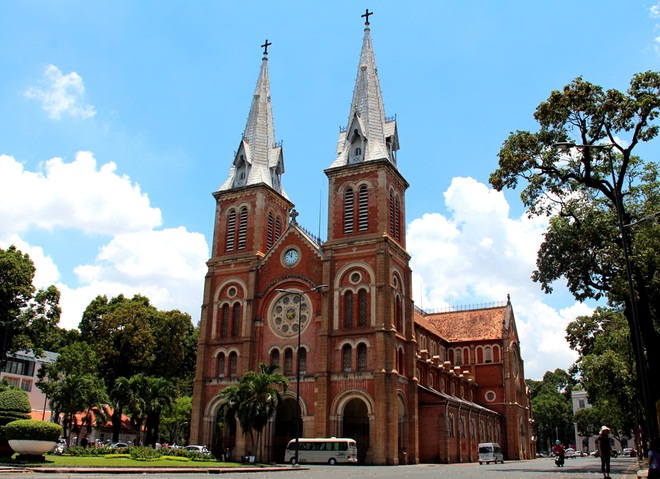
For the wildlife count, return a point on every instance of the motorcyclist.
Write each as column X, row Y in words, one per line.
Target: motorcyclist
column 559, row 453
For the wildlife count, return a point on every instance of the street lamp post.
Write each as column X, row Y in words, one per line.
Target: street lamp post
column 649, row 410
column 300, row 295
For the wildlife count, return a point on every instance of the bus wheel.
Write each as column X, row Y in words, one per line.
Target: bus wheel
column 332, row 461
column 293, row 461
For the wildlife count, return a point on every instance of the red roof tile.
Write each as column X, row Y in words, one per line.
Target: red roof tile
column 471, row 325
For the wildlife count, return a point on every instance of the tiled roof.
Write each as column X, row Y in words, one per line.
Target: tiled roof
column 470, row 325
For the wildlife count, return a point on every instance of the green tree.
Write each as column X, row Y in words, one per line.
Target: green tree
column 581, row 190
column 254, row 400
column 73, row 387
column 552, row 408
column 176, row 420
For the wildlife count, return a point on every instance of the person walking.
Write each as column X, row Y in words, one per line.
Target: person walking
column 605, row 451
column 654, row 459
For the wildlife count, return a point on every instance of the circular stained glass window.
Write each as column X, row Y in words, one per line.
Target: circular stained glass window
column 289, row 310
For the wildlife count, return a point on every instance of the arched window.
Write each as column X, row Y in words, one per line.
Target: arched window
column 288, row 362
column 362, row 357
column 233, row 365
column 452, row 426
column 236, row 324
column 362, row 307
column 346, row 356
column 391, row 213
column 348, row 309
column 488, row 354
column 231, row 230
column 458, row 357
column 302, row 358
column 242, row 228
column 225, row 321
column 275, row 357
column 397, row 219
column 278, row 228
column 398, row 311
column 363, row 208
column 270, row 234
column 349, row 202
column 221, row 365
column 358, row 151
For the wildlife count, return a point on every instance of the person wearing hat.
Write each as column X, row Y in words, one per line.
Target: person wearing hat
column 605, row 451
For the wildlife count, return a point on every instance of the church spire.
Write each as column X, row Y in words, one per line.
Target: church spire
column 369, row 135
column 259, row 159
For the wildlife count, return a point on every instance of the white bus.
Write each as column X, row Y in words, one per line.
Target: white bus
column 323, row 450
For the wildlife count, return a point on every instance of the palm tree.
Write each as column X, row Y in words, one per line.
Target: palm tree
column 159, row 394
column 254, row 400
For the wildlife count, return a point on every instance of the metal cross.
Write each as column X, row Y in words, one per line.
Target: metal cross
column 294, row 214
column 265, row 46
column 366, row 16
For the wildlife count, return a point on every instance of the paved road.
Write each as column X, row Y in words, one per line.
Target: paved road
column 579, row 468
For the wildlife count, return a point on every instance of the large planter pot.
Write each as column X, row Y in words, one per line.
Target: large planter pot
column 31, row 450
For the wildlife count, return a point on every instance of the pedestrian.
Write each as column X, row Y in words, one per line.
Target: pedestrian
column 605, row 451
column 654, row 459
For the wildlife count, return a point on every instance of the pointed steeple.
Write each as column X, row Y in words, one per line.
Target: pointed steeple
column 369, row 135
column 259, row 159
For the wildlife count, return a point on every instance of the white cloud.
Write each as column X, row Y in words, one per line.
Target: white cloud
column 654, row 11
column 479, row 254
column 167, row 266
column 61, row 94
column 72, row 195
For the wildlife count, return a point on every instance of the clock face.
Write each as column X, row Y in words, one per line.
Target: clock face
column 291, row 257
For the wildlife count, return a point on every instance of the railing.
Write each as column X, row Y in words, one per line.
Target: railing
column 463, row 307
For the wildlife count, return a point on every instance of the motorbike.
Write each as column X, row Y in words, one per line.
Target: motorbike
column 559, row 460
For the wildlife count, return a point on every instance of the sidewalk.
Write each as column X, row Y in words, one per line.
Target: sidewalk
column 145, row 470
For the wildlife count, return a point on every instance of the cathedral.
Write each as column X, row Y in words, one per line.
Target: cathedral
column 337, row 316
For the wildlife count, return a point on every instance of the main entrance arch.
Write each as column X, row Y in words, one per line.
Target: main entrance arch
column 285, row 427
column 355, row 424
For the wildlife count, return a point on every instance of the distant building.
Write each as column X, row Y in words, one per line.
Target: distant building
column 588, row 444
column 21, row 370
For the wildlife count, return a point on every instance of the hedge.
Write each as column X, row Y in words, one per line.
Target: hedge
column 14, row 404
column 34, row 430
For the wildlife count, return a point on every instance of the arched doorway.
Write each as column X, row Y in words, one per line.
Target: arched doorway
column 285, row 427
column 356, row 426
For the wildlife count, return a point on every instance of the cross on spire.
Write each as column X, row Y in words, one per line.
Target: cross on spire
column 294, row 214
column 265, row 46
column 366, row 16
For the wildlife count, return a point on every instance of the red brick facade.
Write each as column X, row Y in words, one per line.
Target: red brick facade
column 372, row 367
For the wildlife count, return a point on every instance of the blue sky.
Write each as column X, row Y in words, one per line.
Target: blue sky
column 119, row 119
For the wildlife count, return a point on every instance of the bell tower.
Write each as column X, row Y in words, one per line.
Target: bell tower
column 372, row 277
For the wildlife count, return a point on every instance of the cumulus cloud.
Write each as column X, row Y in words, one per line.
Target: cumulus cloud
column 102, row 206
column 72, row 195
column 61, row 94
column 654, row 11
column 478, row 254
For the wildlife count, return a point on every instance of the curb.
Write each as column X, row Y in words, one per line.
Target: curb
column 146, row 470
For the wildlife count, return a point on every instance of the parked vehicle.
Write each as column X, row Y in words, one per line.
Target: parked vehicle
column 490, row 452
column 628, row 451
column 570, row 453
column 117, row 445
column 322, row 450
column 196, row 448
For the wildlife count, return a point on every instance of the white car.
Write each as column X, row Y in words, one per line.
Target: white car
column 201, row 449
column 570, row 452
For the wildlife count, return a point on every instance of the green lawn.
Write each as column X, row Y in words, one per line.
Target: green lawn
column 53, row 460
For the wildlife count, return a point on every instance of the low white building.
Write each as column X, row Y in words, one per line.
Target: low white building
column 587, row 444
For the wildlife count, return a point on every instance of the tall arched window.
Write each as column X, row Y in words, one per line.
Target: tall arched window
column 362, row 357
column 391, row 213
column 231, row 230
column 233, row 365
column 362, row 307
column 270, row 234
column 363, row 208
column 349, row 202
column 348, row 309
column 346, row 356
column 458, row 357
column 236, row 323
column 225, row 321
column 488, row 354
column 288, row 362
column 275, row 357
column 242, row 228
column 398, row 311
column 221, row 365
column 302, row 358
column 278, row 228
column 397, row 219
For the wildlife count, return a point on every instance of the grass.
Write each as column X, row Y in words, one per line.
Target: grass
column 53, row 460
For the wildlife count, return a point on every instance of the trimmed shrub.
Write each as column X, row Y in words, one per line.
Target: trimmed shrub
column 14, row 404
column 34, row 430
